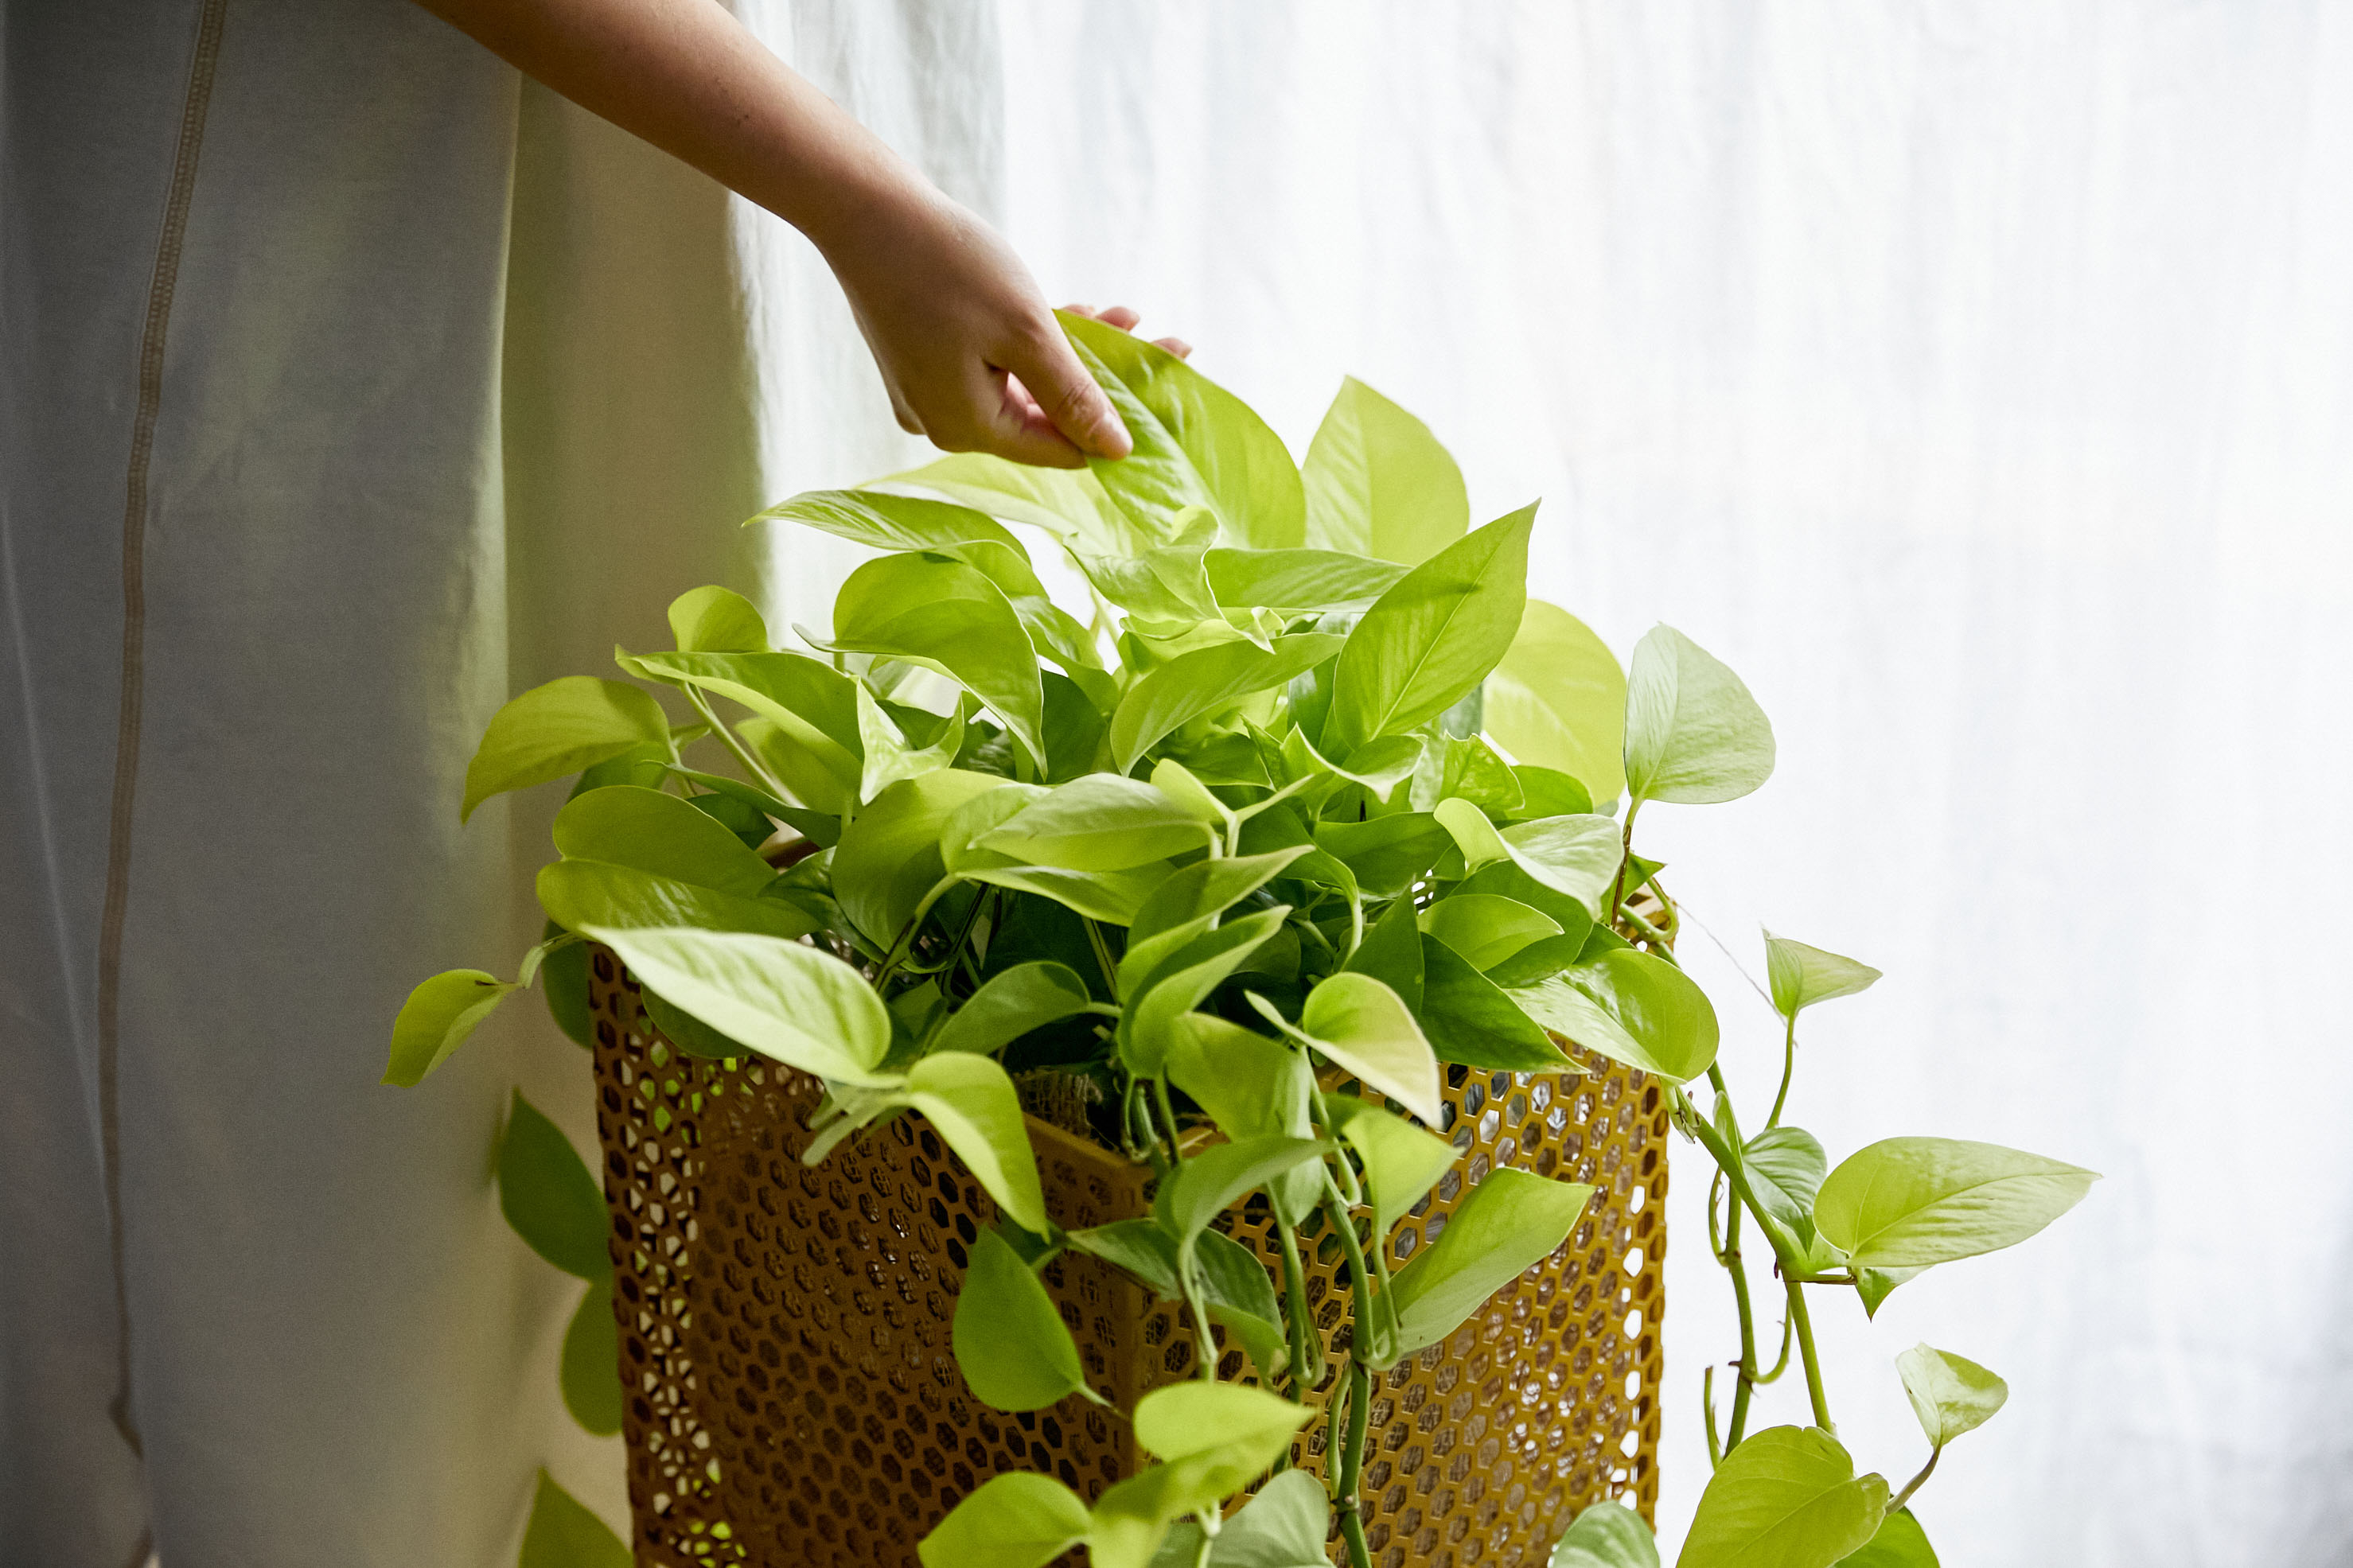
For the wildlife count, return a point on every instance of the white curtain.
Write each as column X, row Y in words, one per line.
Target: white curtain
column 1977, row 379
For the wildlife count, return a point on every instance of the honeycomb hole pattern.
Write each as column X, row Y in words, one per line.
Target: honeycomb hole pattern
column 792, row 1398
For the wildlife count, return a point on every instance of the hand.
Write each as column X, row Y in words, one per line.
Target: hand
column 967, row 350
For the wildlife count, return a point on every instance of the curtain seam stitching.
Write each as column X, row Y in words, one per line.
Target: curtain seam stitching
column 209, row 23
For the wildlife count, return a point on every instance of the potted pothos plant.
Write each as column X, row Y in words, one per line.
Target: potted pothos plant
column 1306, row 784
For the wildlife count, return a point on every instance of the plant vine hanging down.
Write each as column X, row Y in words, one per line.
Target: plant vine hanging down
column 1314, row 786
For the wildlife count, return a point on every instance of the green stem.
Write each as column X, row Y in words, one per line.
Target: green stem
column 1352, row 1520
column 1707, row 1407
column 1782, row 1365
column 1805, row 1331
column 1788, row 1070
column 1103, row 957
column 1745, row 1387
column 728, row 738
column 1625, row 855
column 1306, row 1348
column 1351, row 1457
column 1167, row 1113
column 1913, row 1485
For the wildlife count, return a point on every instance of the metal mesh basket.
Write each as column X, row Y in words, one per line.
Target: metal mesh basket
column 791, row 1397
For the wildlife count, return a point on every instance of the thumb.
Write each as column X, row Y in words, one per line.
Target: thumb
column 1068, row 395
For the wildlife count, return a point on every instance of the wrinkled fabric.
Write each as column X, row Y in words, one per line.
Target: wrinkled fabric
column 456, row 387
column 1973, row 378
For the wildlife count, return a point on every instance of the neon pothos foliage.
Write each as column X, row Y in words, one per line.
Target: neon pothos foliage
column 1307, row 781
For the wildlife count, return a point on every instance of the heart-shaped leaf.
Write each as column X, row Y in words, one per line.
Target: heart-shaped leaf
column 1010, row 1004
column 558, row 729
column 1909, row 1203
column 1950, row 1393
column 438, row 1019
column 1802, row 975
column 1607, row 1535
column 1693, row 732
column 1558, row 700
column 1378, row 484
column 1787, row 1498
column 1430, row 640
column 1016, row 1520
column 783, row 999
column 1507, row 1224
column 1014, row 1353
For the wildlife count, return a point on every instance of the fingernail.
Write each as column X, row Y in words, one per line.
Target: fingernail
column 1111, row 436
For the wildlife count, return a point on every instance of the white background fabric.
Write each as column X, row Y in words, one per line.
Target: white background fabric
column 1975, row 379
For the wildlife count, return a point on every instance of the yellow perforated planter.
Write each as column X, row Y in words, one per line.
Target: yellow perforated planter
column 791, row 1400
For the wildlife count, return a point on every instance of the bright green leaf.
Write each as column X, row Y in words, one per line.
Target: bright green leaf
column 578, row 894
column 1387, row 853
column 1296, row 579
column 1432, row 637
column 548, row 1195
column 1362, row 1025
column 1507, row 1224
column 886, row 522
column 1873, row 1286
column 1139, row 1246
column 1401, row 1162
column 1787, row 1498
column 1378, row 484
column 1195, row 443
column 438, row 1017
column 1391, row 953
column 1786, row 1166
column 783, row 999
column 1009, row 1341
column 810, row 702
column 1607, row 1535
column 1486, row 928
column 589, row 1372
column 1471, row 1020
column 1802, row 975
column 1950, row 1393
column 1010, row 1004
column 1216, row 1438
column 1558, row 699
column 1238, row 1293
column 1112, row 896
column 717, row 620
column 1909, row 1203
column 1658, row 1019
column 627, row 826
column 1283, row 1526
column 1184, row 981
column 561, row 728
column 888, row 857
column 1103, row 822
column 1900, row 1543
column 1208, row 1184
column 947, row 616
column 974, row 1107
column 1205, row 681
column 1189, row 900
column 1693, row 732
column 1016, row 1520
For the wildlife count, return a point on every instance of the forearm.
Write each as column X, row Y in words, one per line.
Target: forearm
column 687, row 77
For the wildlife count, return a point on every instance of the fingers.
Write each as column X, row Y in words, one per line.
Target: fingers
column 1014, row 427
column 1176, row 346
column 1068, row 396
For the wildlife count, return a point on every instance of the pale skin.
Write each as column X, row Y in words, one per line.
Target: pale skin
column 965, row 344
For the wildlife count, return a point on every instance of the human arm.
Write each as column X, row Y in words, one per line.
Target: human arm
column 967, row 348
